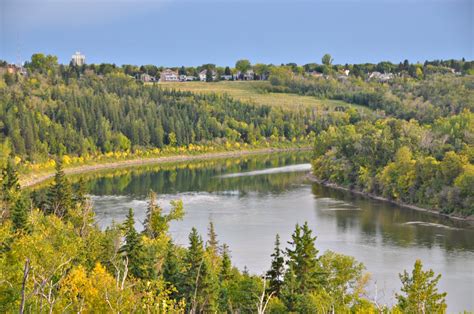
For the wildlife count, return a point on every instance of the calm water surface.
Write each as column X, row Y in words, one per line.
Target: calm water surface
column 251, row 199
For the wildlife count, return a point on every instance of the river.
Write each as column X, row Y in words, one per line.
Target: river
column 251, row 199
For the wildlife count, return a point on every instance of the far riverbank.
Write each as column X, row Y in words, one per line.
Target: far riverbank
column 313, row 178
column 34, row 179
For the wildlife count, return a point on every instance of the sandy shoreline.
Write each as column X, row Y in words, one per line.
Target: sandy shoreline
column 32, row 179
column 312, row 178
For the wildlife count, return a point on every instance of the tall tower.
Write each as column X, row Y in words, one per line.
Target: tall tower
column 78, row 59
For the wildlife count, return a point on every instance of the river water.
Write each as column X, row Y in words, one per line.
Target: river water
column 253, row 198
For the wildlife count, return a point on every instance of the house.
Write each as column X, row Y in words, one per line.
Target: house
column 381, row 77
column 249, row 75
column 145, row 77
column 227, row 77
column 13, row 69
column 186, row 78
column 78, row 59
column 169, row 75
column 203, row 75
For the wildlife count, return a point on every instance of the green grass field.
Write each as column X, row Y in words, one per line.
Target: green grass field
column 254, row 92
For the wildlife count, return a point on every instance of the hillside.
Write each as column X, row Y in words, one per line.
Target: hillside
column 256, row 92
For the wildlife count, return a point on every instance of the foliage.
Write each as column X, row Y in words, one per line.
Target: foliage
column 61, row 262
column 420, row 293
column 429, row 166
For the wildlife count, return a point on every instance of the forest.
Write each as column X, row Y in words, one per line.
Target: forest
column 52, row 113
column 54, row 258
column 419, row 150
column 415, row 147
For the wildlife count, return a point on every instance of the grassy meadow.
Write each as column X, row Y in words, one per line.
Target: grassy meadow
column 254, row 92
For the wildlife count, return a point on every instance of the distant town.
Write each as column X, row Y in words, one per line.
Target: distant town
column 245, row 71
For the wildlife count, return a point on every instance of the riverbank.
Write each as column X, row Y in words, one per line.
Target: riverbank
column 313, row 178
column 34, row 179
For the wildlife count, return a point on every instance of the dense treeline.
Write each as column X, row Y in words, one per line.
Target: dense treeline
column 430, row 166
column 44, row 114
column 54, row 258
column 405, row 98
column 423, row 154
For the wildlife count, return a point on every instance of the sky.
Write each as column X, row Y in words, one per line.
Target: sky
column 194, row 32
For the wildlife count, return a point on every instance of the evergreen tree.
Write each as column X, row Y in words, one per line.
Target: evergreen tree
column 200, row 289
column 171, row 271
column 19, row 213
column 59, row 198
column 420, row 292
column 277, row 270
column 303, row 260
column 80, row 195
column 10, row 187
column 226, row 264
column 212, row 243
column 209, row 76
column 132, row 248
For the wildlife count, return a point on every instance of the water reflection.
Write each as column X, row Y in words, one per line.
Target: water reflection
column 251, row 199
column 395, row 225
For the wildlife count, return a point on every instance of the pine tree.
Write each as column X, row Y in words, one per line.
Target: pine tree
column 209, row 76
column 80, row 195
column 194, row 260
column 59, row 198
column 19, row 214
column 212, row 243
column 421, row 292
column 277, row 270
column 200, row 289
column 10, row 187
column 171, row 271
column 303, row 260
column 226, row 265
column 132, row 248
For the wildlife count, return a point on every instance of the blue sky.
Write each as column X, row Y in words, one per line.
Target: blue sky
column 193, row 32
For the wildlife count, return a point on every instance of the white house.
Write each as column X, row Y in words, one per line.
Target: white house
column 169, row 75
column 227, row 77
column 203, row 75
column 381, row 77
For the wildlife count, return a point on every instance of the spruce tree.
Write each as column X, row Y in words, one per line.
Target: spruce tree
column 303, row 260
column 200, row 286
column 194, row 260
column 59, row 198
column 226, row 265
column 132, row 248
column 171, row 271
column 277, row 270
column 19, row 214
column 212, row 243
column 10, row 187
column 209, row 75
column 421, row 292
column 80, row 195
